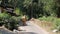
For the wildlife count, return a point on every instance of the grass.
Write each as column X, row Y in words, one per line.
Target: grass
column 53, row 20
column 50, row 23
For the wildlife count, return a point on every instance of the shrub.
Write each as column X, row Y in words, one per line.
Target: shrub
column 55, row 21
column 10, row 22
column 3, row 18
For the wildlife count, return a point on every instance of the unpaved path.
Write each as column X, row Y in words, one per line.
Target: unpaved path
column 32, row 28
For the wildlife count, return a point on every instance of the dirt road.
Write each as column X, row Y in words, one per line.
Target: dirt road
column 32, row 28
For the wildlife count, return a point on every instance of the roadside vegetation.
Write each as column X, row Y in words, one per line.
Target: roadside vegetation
column 10, row 22
column 50, row 24
column 53, row 20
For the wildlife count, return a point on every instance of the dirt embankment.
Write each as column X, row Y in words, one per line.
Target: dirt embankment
column 48, row 26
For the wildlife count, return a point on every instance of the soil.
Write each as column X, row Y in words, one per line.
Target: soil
column 48, row 26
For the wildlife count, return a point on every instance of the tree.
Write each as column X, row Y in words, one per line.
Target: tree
column 33, row 8
column 58, row 8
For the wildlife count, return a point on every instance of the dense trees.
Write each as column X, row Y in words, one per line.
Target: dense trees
column 42, row 7
column 33, row 8
column 36, row 8
column 58, row 8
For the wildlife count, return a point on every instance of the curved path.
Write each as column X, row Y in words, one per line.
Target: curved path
column 32, row 28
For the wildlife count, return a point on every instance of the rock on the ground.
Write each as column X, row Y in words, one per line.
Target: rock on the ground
column 55, row 30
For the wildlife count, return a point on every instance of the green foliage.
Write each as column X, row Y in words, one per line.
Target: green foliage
column 47, row 18
column 54, row 20
column 49, row 7
column 18, row 11
column 42, row 8
column 32, row 9
column 10, row 22
column 4, row 15
column 3, row 18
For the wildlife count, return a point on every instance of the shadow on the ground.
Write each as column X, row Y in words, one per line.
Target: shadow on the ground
column 27, row 23
column 27, row 33
column 3, row 31
column 21, row 24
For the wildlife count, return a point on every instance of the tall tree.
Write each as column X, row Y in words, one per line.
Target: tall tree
column 49, row 7
column 33, row 8
column 58, row 6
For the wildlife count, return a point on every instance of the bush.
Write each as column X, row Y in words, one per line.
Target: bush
column 10, row 22
column 3, row 18
column 51, row 19
column 55, row 21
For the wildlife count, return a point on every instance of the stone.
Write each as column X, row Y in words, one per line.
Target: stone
column 55, row 30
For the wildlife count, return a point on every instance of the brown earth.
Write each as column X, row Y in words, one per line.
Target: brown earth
column 48, row 26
